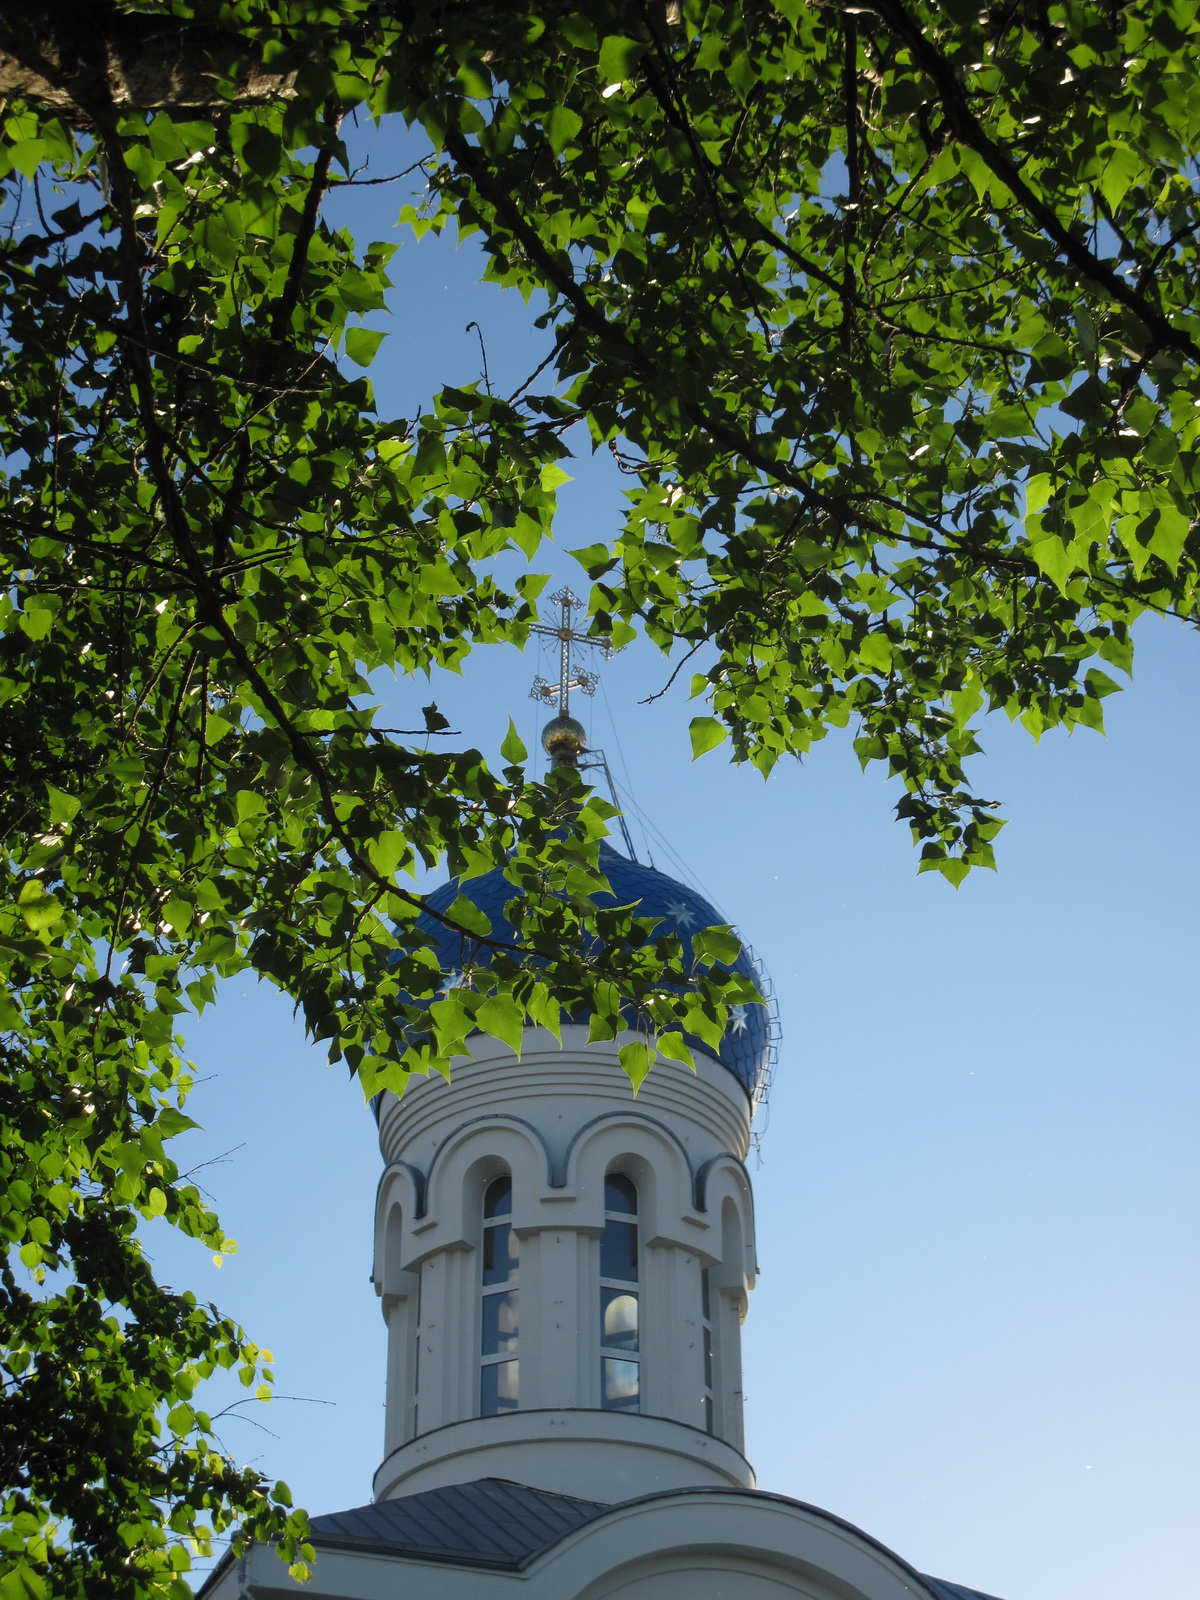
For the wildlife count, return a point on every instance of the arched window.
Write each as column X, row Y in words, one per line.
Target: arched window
column 498, row 1381
column 620, row 1354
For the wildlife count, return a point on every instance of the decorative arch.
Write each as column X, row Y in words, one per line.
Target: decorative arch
column 399, row 1195
column 708, row 1171
column 696, row 1544
column 465, row 1162
column 723, row 1182
column 399, row 1292
column 641, row 1148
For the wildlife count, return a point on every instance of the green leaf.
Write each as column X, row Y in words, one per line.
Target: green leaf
column 1056, row 558
column 387, row 851
column 716, row 944
column 20, row 1582
column 706, row 734
column 362, row 344
column 63, row 807
column 512, row 750
column 619, row 57
column 562, row 125
column 165, row 142
column 595, row 559
column 171, row 1122
column 504, row 1019
column 952, row 868
column 545, row 1011
column 675, row 1047
column 249, row 804
column 636, row 1060
column 178, row 914
column 25, row 950
column 180, row 1419
column 258, row 147
column 1168, row 535
column 1099, row 683
column 39, row 910
column 553, row 477
column 875, row 653
column 36, row 625
column 1121, row 169
column 28, row 155
column 464, row 913
column 360, row 291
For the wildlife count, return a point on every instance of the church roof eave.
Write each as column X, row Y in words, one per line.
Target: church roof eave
column 503, row 1526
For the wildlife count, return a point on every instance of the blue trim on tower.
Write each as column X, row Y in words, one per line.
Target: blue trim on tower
column 746, row 1045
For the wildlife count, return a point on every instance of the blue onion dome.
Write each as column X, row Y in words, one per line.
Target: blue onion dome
column 746, row 1045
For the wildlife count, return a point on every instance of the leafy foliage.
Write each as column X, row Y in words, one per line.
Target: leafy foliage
column 887, row 312
column 890, row 314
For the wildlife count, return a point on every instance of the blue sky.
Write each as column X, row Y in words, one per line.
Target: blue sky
column 975, row 1329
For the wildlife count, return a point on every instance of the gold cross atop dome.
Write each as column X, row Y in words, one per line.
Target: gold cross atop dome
column 564, row 738
column 585, row 682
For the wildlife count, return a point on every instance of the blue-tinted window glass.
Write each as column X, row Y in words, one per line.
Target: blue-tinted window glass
column 500, row 1318
column 620, row 1374
column 618, row 1319
column 621, row 1385
column 620, row 1195
column 619, row 1252
column 498, row 1388
column 497, row 1201
column 708, row 1362
column 501, row 1253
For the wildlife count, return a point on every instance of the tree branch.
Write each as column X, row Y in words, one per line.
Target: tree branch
column 969, row 131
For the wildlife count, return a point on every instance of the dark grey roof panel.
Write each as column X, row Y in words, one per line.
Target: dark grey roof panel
column 496, row 1523
column 491, row 1521
column 954, row 1591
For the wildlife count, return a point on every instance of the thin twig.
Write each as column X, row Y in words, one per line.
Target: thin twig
column 650, row 698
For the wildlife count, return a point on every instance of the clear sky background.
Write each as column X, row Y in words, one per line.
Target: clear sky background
column 975, row 1329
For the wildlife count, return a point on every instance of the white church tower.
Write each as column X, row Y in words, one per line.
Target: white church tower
column 564, row 1270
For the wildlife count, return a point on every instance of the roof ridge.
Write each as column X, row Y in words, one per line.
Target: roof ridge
column 532, row 1488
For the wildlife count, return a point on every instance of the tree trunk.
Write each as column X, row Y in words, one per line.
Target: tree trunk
column 80, row 55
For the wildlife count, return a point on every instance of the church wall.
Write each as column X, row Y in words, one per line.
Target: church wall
column 591, row 1454
column 557, row 1123
column 699, row 1546
column 708, row 1109
column 705, row 1576
column 447, row 1307
column 400, row 1293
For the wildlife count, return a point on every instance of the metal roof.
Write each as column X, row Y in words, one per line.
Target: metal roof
column 954, row 1591
column 745, row 1048
column 490, row 1523
column 495, row 1523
